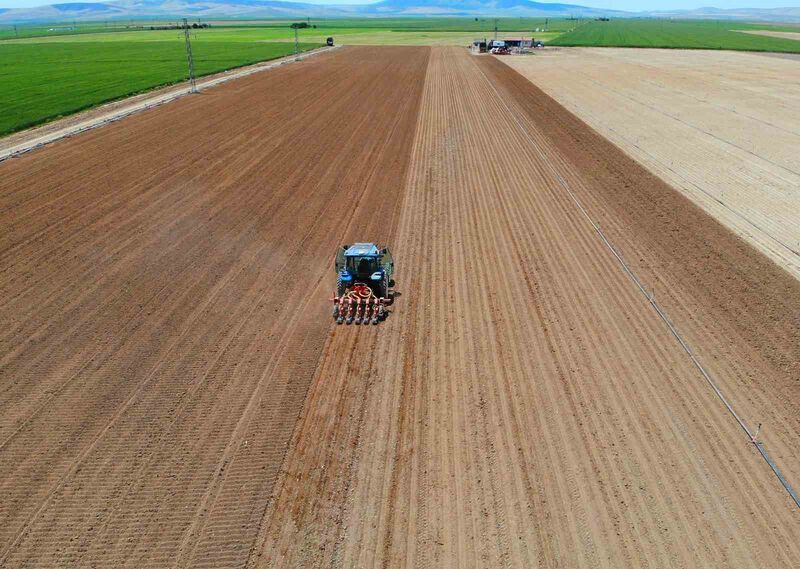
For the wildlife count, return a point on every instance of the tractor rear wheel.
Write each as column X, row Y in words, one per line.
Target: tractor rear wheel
column 386, row 284
column 381, row 289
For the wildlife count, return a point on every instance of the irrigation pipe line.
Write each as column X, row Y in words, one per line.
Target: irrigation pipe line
column 157, row 101
column 652, row 301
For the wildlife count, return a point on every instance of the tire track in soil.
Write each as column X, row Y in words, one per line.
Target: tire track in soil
column 527, row 408
column 189, row 383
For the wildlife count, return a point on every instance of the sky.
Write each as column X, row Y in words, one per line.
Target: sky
column 629, row 5
column 640, row 5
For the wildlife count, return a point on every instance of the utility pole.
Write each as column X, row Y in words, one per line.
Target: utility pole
column 16, row 33
column 189, row 58
column 495, row 28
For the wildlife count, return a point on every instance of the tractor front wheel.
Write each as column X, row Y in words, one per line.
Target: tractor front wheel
column 382, row 289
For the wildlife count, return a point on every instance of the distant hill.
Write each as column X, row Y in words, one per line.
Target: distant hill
column 481, row 7
column 278, row 9
column 131, row 9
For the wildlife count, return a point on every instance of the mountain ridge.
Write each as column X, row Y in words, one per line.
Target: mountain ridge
column 141, row 9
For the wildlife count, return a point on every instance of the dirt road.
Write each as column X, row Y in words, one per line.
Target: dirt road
column 175, row 394
column 768, row 33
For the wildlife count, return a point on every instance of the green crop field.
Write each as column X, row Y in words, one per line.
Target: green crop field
column 47, row 71
column 263, row 29
column 348, row 35
column 376, row 30
column 9, row 31
column 687, row 34
column 42, row 81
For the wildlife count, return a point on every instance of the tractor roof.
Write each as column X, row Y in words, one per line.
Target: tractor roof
column 362, row 250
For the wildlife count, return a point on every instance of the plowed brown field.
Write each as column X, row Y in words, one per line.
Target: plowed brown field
column 164, row 306
column 167, row 341
column 524, row 406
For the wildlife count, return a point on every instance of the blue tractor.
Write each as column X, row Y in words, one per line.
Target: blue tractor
column 364, row 277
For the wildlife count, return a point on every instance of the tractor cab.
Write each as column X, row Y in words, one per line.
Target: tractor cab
column 361, row 263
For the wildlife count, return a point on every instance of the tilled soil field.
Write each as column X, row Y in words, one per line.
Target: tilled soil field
column 165, row 303
column 175, row 393
column 525, row 406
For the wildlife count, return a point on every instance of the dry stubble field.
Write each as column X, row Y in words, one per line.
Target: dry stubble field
column 174, row 392
column 722, row 127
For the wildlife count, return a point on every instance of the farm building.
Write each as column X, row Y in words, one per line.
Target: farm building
column 479, row 46
column 515, row 42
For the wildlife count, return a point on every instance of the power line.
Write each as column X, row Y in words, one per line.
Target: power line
column 189, row 58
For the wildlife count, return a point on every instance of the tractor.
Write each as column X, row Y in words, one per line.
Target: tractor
column 364, row 277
